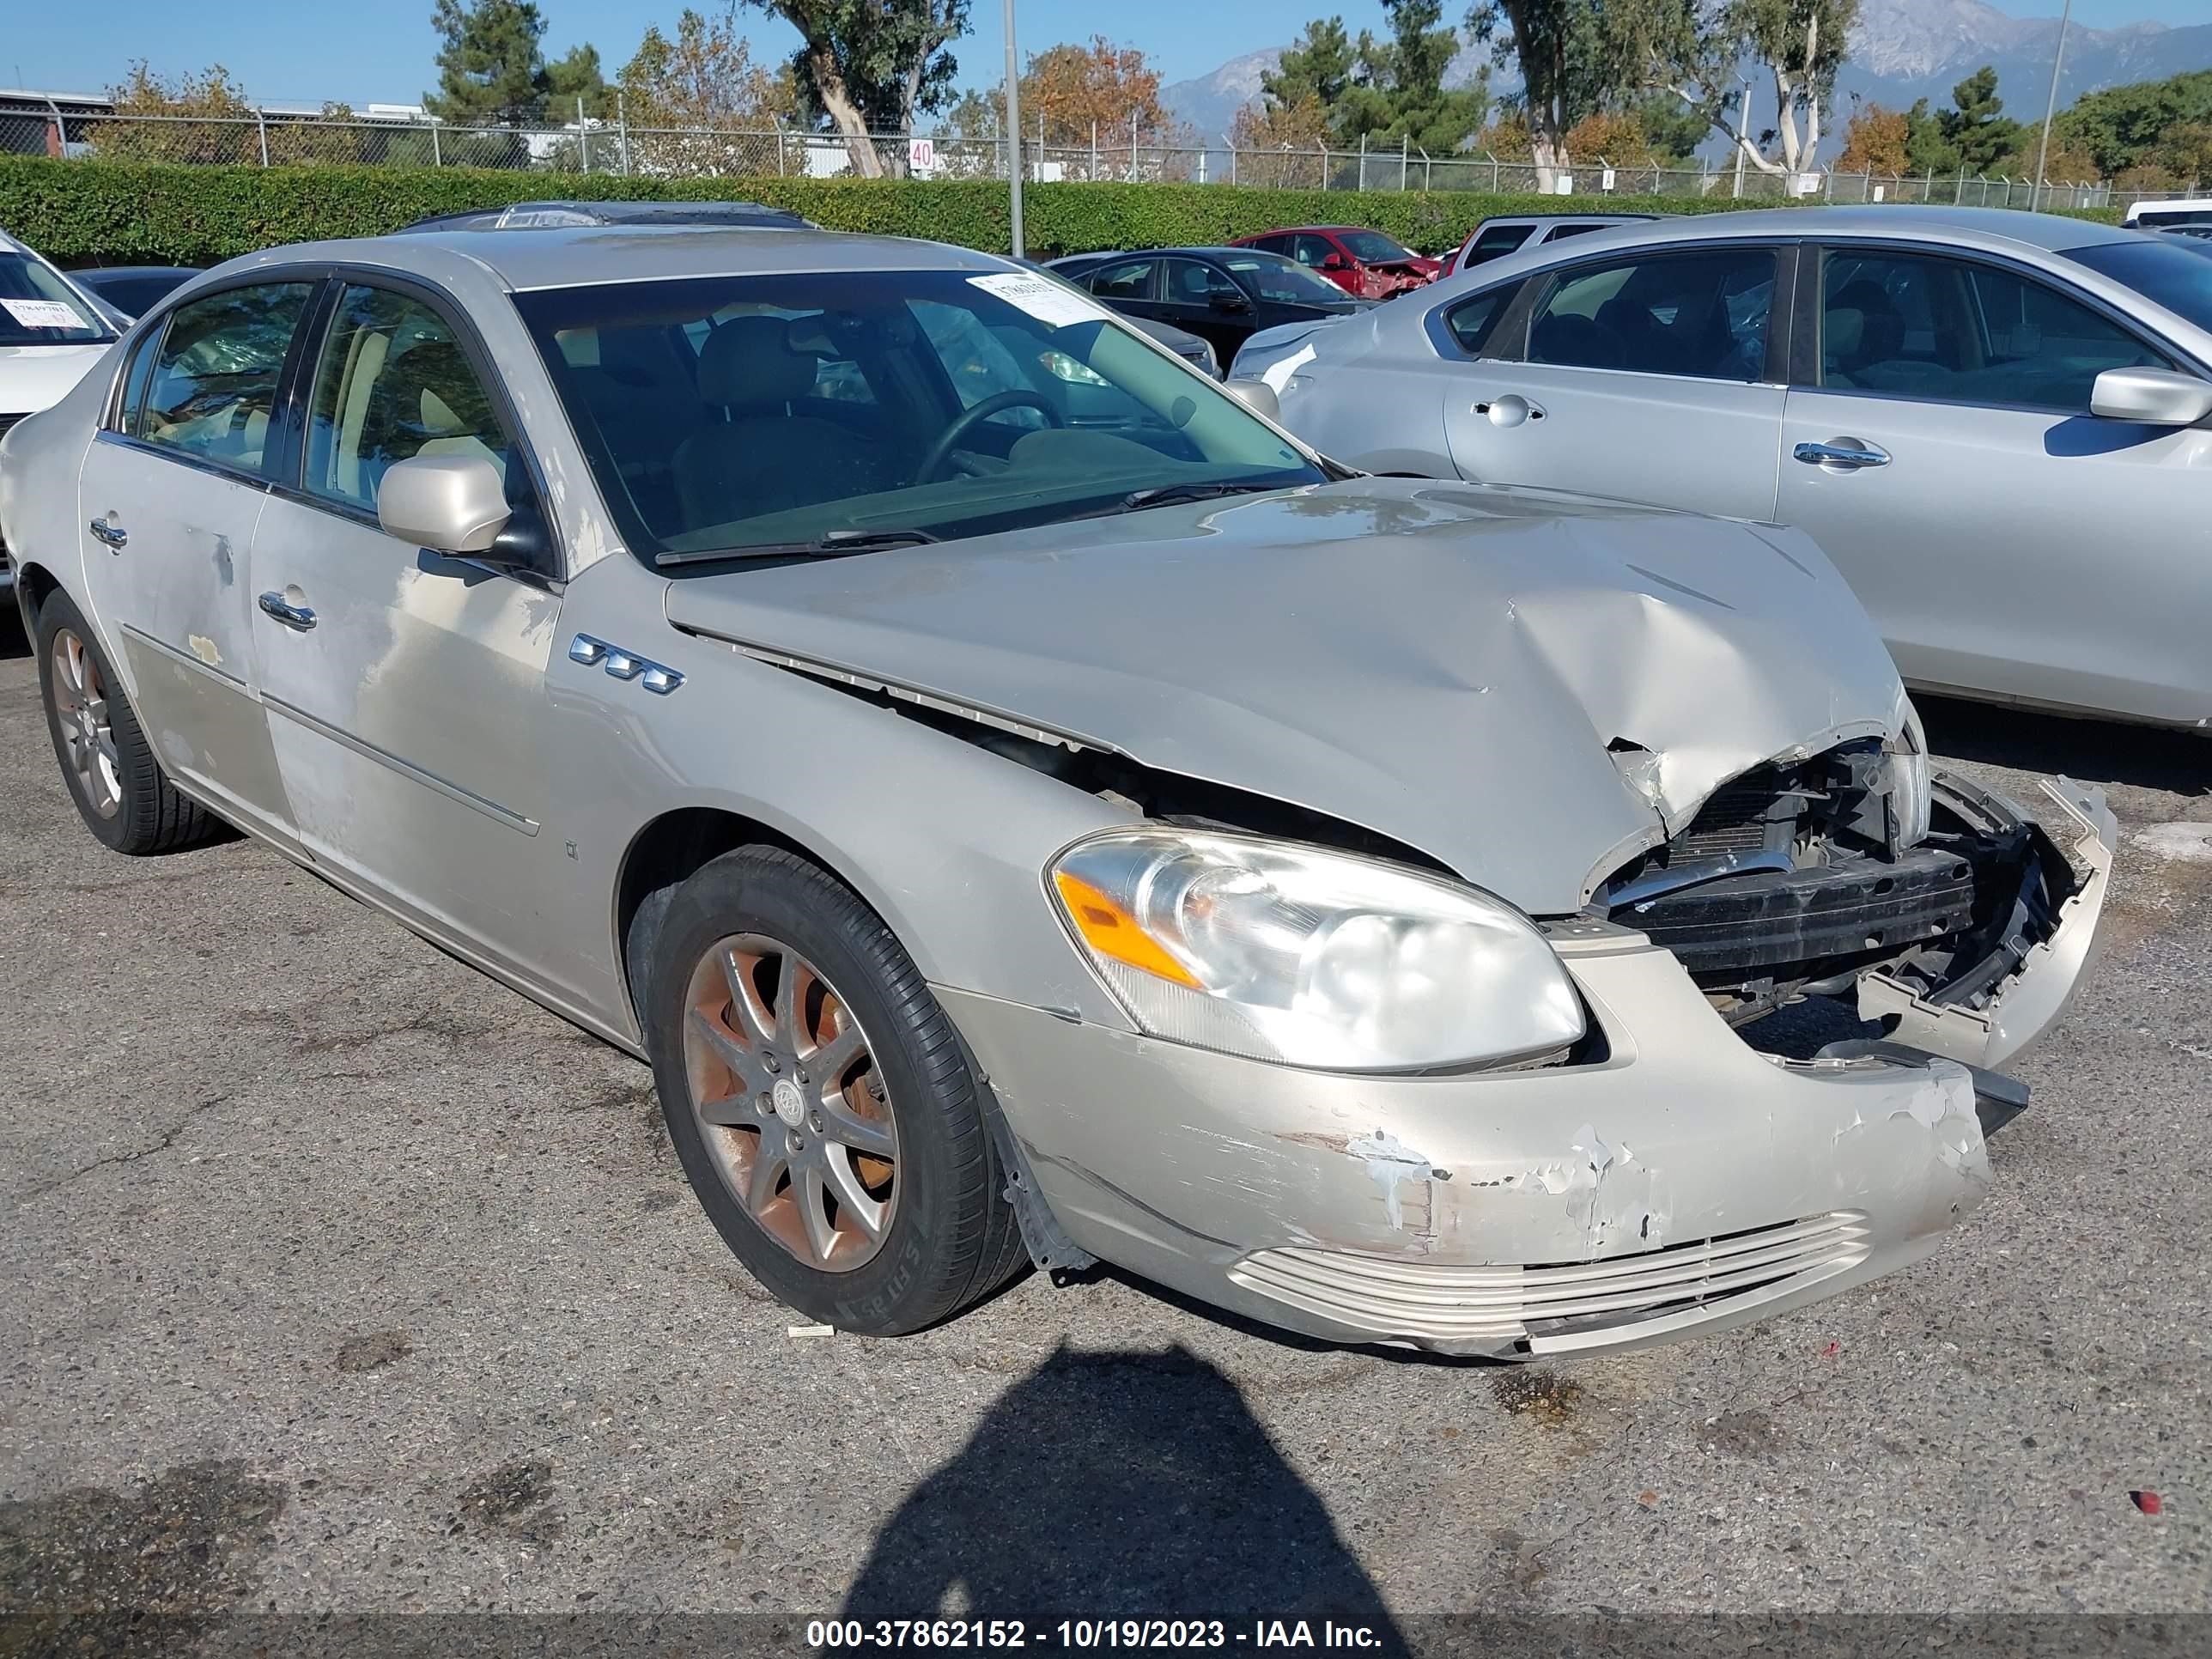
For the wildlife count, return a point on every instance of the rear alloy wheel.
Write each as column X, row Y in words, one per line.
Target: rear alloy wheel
column 82, row 724
column 820, row 1101
column 118, row 786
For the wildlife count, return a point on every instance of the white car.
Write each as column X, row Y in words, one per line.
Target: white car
column 50, row 333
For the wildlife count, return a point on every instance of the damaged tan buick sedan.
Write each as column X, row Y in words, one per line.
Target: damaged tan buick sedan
column 1027, row 807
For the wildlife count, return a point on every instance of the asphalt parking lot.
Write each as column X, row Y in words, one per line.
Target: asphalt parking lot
column 341, row 1278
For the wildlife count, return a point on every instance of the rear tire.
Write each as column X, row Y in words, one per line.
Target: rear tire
column 121, row 793
column 820, row 1101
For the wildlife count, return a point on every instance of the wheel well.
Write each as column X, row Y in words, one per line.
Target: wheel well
column 33, row 583
column 664, row 856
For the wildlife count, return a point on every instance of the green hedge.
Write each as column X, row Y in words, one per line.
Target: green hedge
column 123, row 212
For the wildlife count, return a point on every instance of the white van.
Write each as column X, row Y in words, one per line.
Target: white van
column 50, row 333
column 2164, row 216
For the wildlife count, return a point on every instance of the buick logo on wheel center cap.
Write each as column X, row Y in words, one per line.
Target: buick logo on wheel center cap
column 790, row 1104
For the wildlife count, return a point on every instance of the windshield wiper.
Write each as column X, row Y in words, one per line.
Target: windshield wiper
column 1165, row 495
column 831, row 544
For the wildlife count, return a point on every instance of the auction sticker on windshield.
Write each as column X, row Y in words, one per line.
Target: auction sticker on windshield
column 1046, row 301
column 44, row 313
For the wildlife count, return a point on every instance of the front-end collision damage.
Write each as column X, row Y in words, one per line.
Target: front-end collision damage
column 2045, row 936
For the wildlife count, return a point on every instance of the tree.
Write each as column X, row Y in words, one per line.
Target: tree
column 576, row 75
column 1875, row 141
column 1271, row 137
column 1800, row 44
column 703, row 83
column 1926, row 149
column 2186, row 152
column 1579, row 56
column 1975, row 127
column 1076, row 91
column 868, row 65
column 224, row 130
column 1316, row 69
column 2123, row 126
column 490, row 68
column 1397, row 93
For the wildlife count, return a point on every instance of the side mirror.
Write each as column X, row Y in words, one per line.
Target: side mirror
column 1255, row 395
column 447, row 503
column 2150, row 397
column 1336, row 262
column 1224, row 299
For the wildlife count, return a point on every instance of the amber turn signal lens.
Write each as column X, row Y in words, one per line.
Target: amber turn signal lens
column 1113, row 931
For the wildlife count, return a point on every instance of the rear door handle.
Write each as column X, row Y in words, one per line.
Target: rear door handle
column 114, row 535
column 1842, row 452
column 297, row 618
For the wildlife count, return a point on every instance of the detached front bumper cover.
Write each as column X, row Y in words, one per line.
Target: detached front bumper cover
column 2043, row 972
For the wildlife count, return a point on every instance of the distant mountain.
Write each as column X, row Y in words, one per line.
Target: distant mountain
column 1901, row 50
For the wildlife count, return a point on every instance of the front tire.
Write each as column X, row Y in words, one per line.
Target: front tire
column 121, row 793
column 820, row 1101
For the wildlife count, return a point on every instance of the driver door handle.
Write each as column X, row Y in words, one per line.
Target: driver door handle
column 298, row 617
column 112, row 535
column 1842, row 452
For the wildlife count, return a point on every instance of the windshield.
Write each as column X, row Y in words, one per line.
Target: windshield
column 39, row 307
column 1271, row 276
column 1374, row 246
column 805, row 411
column 2165, row 272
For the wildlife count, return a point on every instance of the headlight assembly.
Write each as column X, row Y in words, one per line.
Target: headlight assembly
column 1912, row 776
column 1284, row 953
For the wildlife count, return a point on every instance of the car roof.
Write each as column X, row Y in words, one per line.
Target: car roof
column 1568, row 213
column 92, row 273
column 1992, row 227
column 573, row 255
column 540, row 215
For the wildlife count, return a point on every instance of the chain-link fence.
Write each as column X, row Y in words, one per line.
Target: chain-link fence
column 271, row 139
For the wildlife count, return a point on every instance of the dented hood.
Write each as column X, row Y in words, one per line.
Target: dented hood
column 1527, row 687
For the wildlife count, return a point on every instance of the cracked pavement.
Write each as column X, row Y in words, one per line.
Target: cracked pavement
column 341, row 1278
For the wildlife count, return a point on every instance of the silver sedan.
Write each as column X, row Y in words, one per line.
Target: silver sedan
column 1027, row 807
column 1995, row 423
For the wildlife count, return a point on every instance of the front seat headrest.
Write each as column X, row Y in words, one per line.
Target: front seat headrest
column 748, row 363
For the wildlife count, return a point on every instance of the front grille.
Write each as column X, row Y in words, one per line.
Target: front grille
column 1411, row 1299
column 1735, row 818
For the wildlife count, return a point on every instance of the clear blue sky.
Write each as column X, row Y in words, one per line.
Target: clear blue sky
column 310, row 50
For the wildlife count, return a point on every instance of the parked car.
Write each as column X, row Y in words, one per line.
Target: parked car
column 1364, row 263
column 1995, row 423
column 1222, row 295
column 1493, row 239
column 130, row 291
column 50, row 333
column 1197, row 353
column 2168, row 214
column 1332, row 896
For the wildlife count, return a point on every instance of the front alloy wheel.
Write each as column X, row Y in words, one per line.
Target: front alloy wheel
column 823, row 1106
column 790, row 1102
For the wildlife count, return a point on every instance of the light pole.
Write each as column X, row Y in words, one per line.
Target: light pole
column 1014, row 130
column 2050, row 105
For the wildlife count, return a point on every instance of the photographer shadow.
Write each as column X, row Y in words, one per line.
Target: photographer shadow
column 1120, row 1486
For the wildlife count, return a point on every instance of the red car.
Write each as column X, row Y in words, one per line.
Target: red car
column 1366, row 262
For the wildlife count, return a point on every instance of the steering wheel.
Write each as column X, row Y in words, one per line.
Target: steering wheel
column 941, row 451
